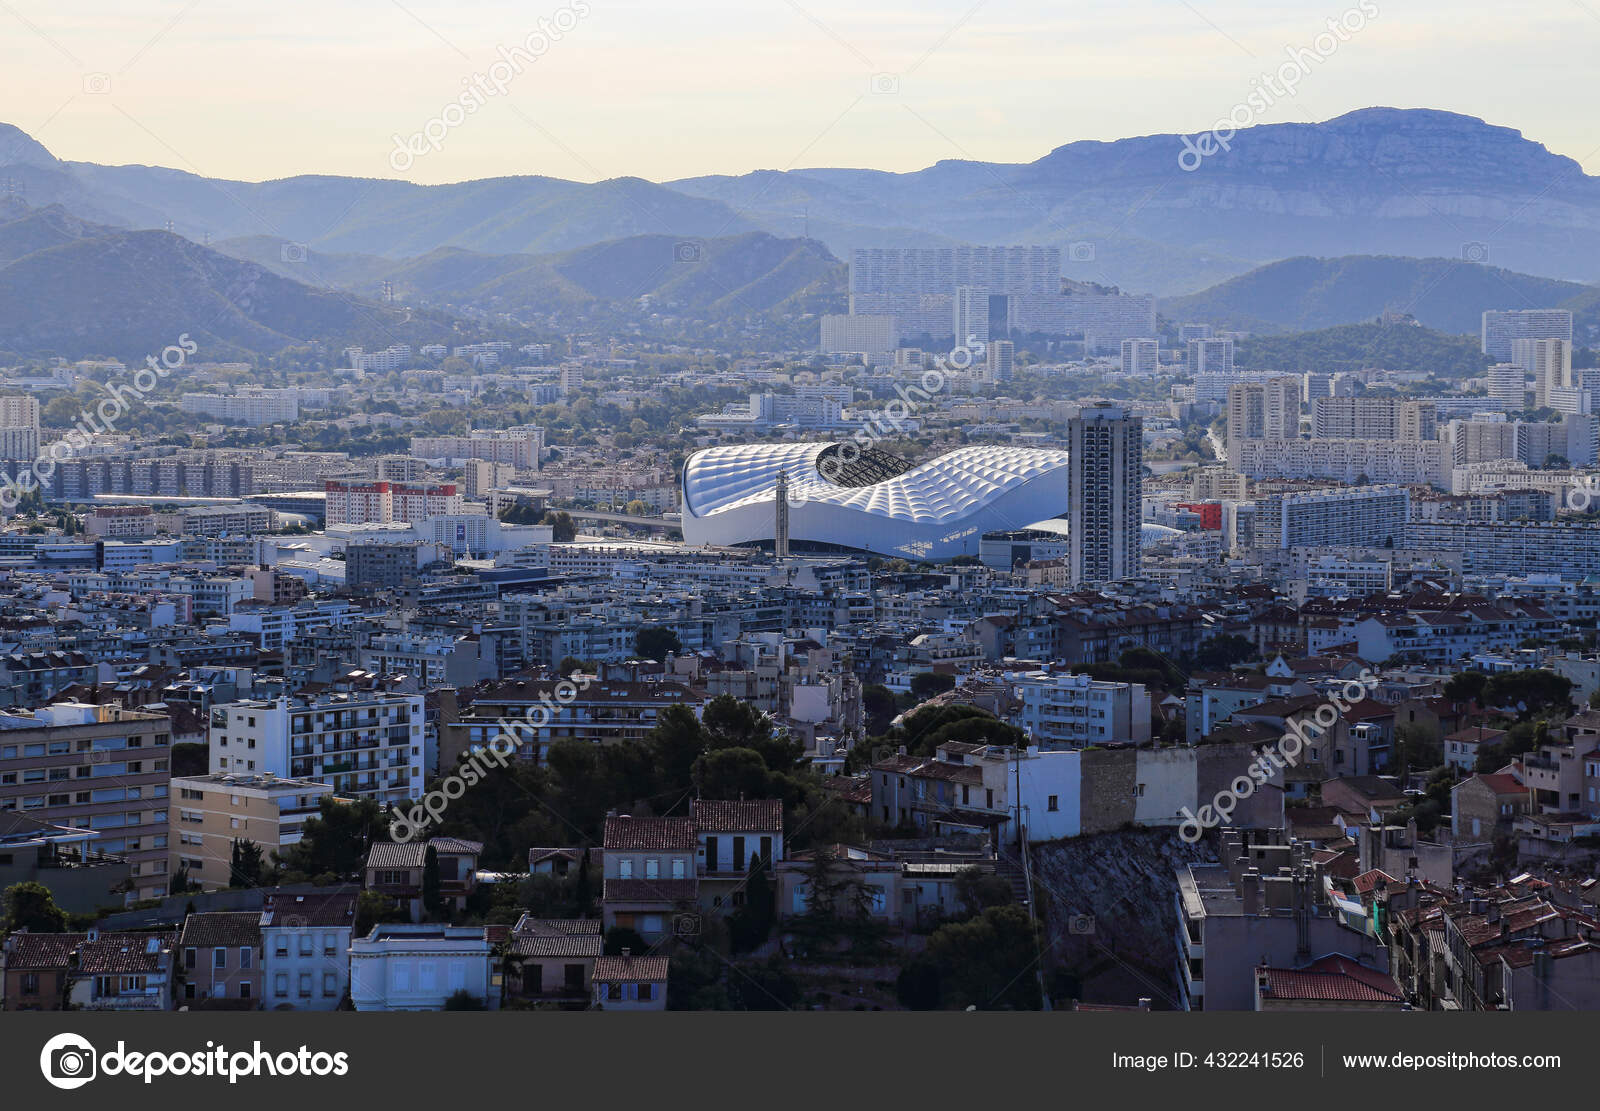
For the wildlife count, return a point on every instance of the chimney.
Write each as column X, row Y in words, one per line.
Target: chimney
column 1250, row 891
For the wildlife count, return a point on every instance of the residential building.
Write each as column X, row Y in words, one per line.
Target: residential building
column 99, row 768
column 222, row 960
column 211, row 813
column 305, row 946
column 1105, row 468
column 419, row 967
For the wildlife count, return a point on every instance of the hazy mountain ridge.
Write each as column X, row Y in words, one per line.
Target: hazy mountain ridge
column 72, row 288
column 1382, row 181
column 1302, row 294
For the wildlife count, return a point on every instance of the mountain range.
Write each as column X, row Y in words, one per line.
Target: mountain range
column 1411, row 182
column 1297, row 226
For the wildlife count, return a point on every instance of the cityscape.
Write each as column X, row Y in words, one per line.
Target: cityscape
column 1151, row 574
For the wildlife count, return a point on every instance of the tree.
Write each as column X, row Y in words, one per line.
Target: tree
column 926, row 684
column 181, row 882
column 1221, row 652
column 878, row 704
column 562, row 530
column 978, row 891
column 987, row 961
column 732, row 773
column 337, row 840
column 656, row 642
column 244, row 870
column 464, row 1000
column 31, row 906
column 1465, row 686
column 750, row 925
column 432, row 898
column 1531, row 692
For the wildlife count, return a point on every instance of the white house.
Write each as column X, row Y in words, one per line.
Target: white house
column 305, row 942
column 406, row 967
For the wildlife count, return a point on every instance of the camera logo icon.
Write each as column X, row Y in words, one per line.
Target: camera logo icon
column 687, row 251
column 292, row 252
column 686, row 926
column 884, row 84
column 1081, row 924
column 68, row 1061
column 1475, row 252
column 1081, row 252
column 96, row 84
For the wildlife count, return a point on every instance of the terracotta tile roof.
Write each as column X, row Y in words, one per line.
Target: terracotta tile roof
column 1367, row 881
column 616, row 969
column 223, row 927
column 29, row 951
column 729, row 816
column 336, row 908
column 126, row 953
column 1502, row 783
column 396, row 854
column 556, row 937
column 628, row 833
column 650, row 891
column 457, row 846
column 1333, row 979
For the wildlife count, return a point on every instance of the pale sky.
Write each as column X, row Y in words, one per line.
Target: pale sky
column 253, row 90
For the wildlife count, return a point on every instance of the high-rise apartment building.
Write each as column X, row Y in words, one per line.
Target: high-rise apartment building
column 1211, row 356
column 359, row 743
column 1364, row 516
column 98, row 768
column 1002, row 360
column 1502, row 327
column 1373, row 418
column 1141, row 356
column 1267, row 410
column 1106, row 448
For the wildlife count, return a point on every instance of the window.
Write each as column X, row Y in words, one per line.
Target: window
column 188, row 958
column 652, row 868
column 679, row 867
column 1053, row 804
column 247, row 956
column 330, row 985
column 625, row 868
column 219, row 957
column 305, row 945
column 280, row 984
column 244, row 989
column 30, row 983
column 305, row 983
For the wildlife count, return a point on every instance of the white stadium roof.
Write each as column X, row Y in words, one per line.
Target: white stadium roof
column 841, row 495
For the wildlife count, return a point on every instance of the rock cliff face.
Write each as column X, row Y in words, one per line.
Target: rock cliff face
column 1109, row 904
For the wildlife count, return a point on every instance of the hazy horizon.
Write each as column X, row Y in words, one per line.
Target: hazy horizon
column 624, row 89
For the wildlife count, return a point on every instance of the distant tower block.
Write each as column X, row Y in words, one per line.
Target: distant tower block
column 780, row 535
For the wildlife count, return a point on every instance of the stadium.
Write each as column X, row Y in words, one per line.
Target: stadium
column 843, row 497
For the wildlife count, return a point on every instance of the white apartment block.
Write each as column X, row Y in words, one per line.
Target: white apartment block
column 1076, row 711
column 381, row 503
column 1367, row 516
column 1141, row 356
column 520, row 447
column 1502, row 327
column 1406, row 462
column 864, row 334
column 359, row 743
column 1264, row 410
column 1548, row 361
column 248, row 406
column 1373, row 418
column 402, row 967
column 1508, row 386
column 1211, row 356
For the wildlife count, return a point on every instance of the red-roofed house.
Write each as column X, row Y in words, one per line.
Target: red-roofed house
column 1334, row 983
column 1487, row 803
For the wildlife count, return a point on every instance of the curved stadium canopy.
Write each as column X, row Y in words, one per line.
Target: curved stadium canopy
column 844, row 496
